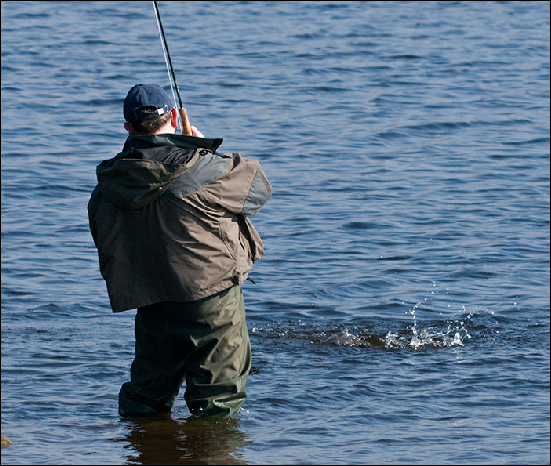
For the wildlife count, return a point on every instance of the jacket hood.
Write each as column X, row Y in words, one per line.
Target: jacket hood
column 147, row 166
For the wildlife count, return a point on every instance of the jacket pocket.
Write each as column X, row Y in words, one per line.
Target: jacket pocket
column 247, row 229
column 229, row 233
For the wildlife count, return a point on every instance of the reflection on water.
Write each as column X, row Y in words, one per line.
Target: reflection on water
column 164, row 440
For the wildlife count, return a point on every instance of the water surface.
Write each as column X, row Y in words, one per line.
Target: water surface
column 401, row 311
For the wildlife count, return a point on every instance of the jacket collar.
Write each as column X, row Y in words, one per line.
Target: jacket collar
column 178, row 140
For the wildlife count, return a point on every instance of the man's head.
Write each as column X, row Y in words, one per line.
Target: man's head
column 148, row 110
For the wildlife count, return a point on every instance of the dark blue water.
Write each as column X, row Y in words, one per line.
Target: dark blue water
column 401, row 311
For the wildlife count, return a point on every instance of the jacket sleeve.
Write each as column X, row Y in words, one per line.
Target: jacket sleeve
column 242, row 188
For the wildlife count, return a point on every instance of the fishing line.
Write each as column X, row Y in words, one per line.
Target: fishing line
column 170, row 69
column 161, row 35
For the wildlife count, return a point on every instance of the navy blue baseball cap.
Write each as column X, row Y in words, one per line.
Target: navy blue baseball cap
column 146, row 95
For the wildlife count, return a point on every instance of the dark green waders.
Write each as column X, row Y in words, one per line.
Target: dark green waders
column 204, row 342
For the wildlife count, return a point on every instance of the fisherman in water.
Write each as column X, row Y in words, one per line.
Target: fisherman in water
column 169, row 217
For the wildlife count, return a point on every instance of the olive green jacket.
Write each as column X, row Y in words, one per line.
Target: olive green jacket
column 169, row 219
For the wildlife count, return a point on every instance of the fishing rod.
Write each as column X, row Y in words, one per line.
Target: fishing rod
column 171, row 76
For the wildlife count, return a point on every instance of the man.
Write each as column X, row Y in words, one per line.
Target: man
column 169, row 220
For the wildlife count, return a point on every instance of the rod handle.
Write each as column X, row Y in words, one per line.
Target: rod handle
column 186, row 127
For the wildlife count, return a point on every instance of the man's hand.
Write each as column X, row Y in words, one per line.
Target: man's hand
column 195, row 132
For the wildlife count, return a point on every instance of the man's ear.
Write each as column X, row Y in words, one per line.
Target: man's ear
column 174, row 118
column 128, row 127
